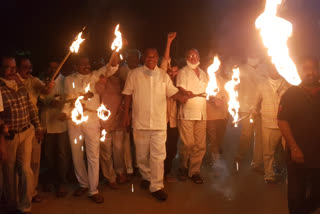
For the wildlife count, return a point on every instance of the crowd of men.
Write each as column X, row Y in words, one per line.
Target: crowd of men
column 151, row 108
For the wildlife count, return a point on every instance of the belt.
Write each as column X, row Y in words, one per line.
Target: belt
column 21, row 130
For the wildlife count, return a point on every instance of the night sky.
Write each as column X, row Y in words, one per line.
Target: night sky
column 47, row 28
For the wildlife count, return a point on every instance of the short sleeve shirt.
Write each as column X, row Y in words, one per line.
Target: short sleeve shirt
column 301, row 110
column 195, row 108
column 149, row 90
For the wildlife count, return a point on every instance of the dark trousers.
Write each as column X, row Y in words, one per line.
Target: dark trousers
column 303, row 189
column 216, row 130
column 171, row 148
column 58, row 156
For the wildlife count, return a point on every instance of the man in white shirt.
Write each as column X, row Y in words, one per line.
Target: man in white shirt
column 57, row 147
column 250, row 76
column 192, row 118
column 148, row 88
column 270, row 91
column 87, row 132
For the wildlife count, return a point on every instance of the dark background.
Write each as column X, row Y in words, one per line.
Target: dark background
column 47, row 28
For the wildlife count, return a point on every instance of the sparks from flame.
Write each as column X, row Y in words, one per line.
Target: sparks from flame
column 103, row 135
column 117, row 42
column 73, row 85
column 80, row 137
column 132, row 189
column 76, row 44
column 121, row 57
column 77, row 113
column 275, row 32
column 75, row 141
column 212, row 88
column 103, row 112
column 251, row 120
column 233, row 104
column 81, row 148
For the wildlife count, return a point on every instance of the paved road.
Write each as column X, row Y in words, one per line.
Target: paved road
column 223, row 192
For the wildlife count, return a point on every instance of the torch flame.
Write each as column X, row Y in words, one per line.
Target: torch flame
column 76, row 44
column 87, row 89
column 233, row 104
column 77, row 113
column 212, row 88
column 275, row 32
column 103, row 112
column 103, row 135
column 117, row 42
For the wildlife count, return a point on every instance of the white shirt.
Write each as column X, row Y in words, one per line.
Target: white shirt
column 80, row 82
column 49, row 115
column 249, row 81
column 195, row 108
column 35, row 88
column 149, row 90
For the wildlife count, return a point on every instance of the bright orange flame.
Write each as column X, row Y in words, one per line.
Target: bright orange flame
column 117, row 42
column 212, row 88
column 77, row 113
column 102, row 110
column 275, row 32
column 76, row 44
column 233, row 104
column 103, row 135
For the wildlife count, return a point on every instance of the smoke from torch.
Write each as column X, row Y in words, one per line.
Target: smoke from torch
column 233, row 104
column 275, row 32
column 212, row 88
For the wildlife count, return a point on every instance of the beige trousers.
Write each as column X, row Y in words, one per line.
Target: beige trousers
column 112, row 160
column 18, row 176
column 272, row 138
column 35, row 164
column 193, row 144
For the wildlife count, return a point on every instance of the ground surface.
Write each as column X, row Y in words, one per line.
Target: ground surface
column 223, row 192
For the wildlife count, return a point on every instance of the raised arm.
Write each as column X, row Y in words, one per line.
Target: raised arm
column 166, row 57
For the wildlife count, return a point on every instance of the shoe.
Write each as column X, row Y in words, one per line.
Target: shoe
column 61, row 192
column 122, row 178
column 145, row 184
column 113, row 185
column 183, row 174
column 161, row 195
column 97, row 198
column 80, row 191
column 196, row 178
column 37, row 199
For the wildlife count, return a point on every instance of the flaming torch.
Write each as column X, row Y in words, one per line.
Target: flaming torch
column 103, row 113
column 275, row 32
column 116, row 44
column 74, row 48
column 233, row 104
column 77, row 113
column 212, row 88
column 103, row 135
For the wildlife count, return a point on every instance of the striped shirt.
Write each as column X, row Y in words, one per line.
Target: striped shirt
column 18, row 110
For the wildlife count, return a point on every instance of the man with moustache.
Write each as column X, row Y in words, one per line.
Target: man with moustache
column 20, row 116
column 35, row 88
column 298, row 120
column 192, row 118
column 148, row 88
column 89, row 131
